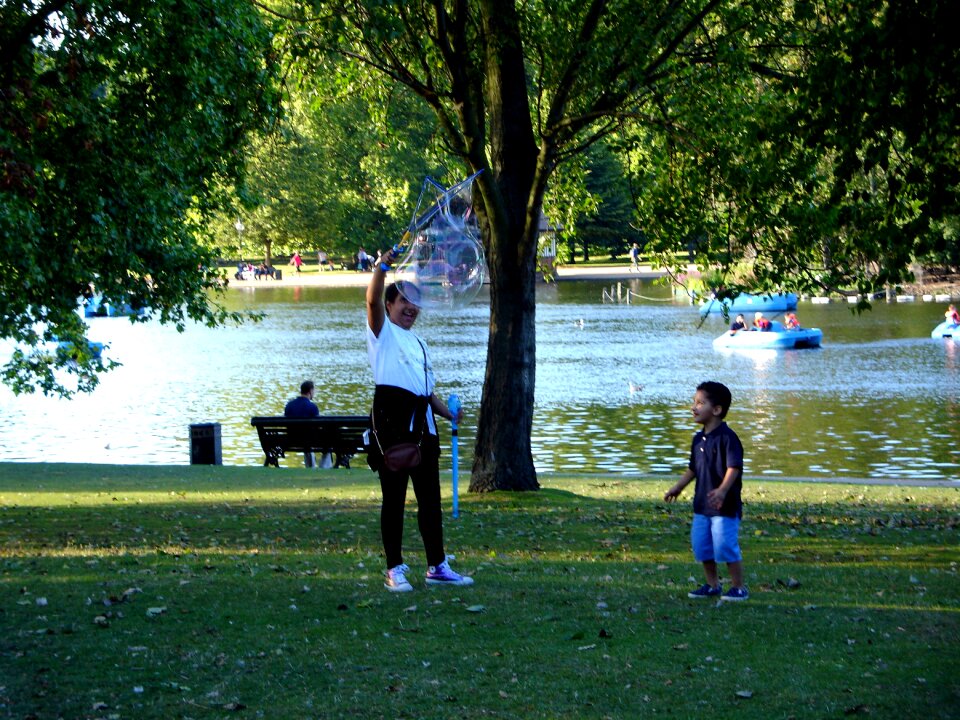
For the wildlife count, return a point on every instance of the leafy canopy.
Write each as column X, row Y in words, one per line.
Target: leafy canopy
column 121, row 123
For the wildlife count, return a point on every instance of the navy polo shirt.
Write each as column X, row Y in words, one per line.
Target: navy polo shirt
column 301, row 407
column 710, row 456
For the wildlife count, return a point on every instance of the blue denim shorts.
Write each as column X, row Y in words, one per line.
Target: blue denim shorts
column 715, row 538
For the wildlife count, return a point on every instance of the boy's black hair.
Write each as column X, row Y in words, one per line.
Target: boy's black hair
column 718, row 394
column 306, row 386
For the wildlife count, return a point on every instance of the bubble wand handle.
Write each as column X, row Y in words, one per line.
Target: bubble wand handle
column 397, row 249
column 454, row 405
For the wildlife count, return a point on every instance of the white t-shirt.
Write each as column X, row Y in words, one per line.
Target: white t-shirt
column 398, row 358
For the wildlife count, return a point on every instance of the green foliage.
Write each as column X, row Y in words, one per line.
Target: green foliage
column 610, row 227
column 772, row 170
column 896, row 170
column 121, row 124
column 216, row 591
column 342, row 170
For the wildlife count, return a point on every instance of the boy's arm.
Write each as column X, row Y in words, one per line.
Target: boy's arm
column 674, row 492
column 716, row 496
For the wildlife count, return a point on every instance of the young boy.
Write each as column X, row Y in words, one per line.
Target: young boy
column 716, row 463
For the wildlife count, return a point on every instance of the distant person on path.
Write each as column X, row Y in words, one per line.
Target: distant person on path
column 324, row 261
column 363, row 260
column 296, row 261
column 716, row 463
column 635, row 258
column 737, row 325
column 951, row 315
column 760, row 322
column 404, row 410
column 303, row 406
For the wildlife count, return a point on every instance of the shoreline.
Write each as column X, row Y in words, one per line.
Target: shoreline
column 348, row 278
column 933, row 292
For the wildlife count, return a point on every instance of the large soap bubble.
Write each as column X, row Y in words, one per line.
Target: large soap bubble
column 444, row 258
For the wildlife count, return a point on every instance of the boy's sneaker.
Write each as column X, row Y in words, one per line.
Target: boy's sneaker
column 397, row 579
column 442, row 575
column 736, row 593
column 706, row 591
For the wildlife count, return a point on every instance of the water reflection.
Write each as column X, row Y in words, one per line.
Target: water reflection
column 613, row 393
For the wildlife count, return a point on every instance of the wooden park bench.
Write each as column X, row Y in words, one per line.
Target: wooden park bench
column 341, row 435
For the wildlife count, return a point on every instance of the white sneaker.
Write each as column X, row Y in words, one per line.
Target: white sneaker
column 442, row 575
column 397, row 579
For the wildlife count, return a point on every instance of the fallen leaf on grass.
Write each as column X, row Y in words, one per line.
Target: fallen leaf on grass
column 156, row 611
column 124, row 596
column 476, row 608
column 747, row 694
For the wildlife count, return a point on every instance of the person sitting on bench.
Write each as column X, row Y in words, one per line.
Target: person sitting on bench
column 303, row 406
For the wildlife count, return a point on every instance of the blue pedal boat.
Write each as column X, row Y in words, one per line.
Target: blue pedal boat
column 946, row 330
column 776, row 338
column 747, row 302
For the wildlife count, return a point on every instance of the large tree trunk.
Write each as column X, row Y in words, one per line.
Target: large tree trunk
column 509, row 210
column 503, row 459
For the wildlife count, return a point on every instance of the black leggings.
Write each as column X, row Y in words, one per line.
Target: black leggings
column 426, row 487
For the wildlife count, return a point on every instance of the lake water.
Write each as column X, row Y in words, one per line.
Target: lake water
column 879, row 399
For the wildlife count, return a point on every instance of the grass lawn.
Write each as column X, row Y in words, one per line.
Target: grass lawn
column 226, row 592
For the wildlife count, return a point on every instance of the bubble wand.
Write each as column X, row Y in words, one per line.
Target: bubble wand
column 454, row 405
